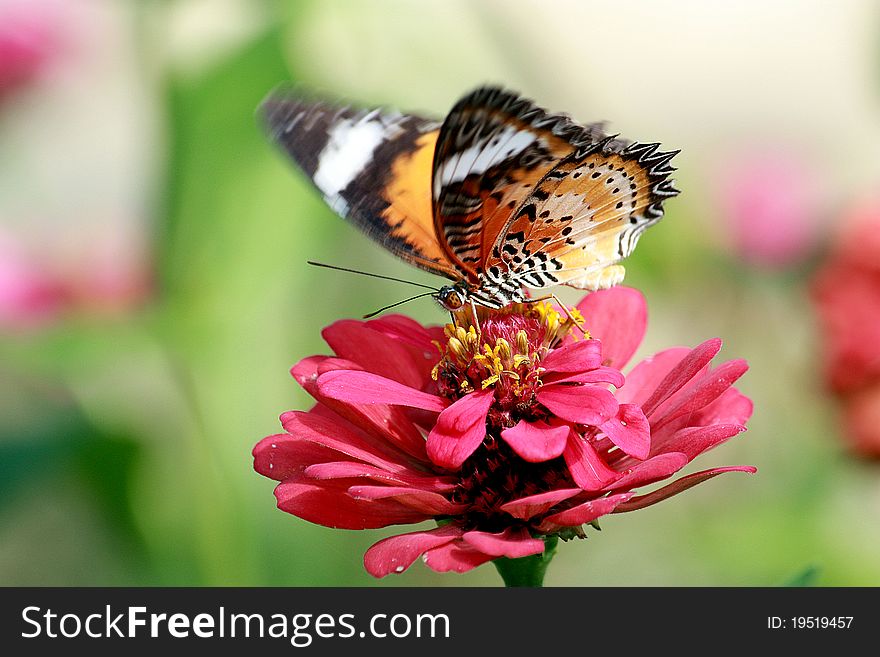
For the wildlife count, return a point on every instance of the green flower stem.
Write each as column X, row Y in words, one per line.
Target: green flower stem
column 527, row 571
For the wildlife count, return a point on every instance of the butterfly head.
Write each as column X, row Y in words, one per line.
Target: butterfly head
column 452, row 297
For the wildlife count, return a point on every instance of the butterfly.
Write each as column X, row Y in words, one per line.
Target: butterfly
column 499, row 196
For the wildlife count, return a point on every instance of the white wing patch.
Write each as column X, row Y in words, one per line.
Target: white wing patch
column 350, row 147
column 482, row 156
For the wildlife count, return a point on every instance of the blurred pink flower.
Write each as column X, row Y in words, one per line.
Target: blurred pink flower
column 503, row 436
column 29, row 295
column 770, row 202
column 846, row 294
column 35, row 292
column 28, row 40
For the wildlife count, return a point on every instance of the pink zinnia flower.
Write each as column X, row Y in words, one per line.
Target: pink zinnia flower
column 846, row 294
column 522, row 430
column 770, row 201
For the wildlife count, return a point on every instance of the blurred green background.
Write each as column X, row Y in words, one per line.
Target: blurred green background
column 166, row 242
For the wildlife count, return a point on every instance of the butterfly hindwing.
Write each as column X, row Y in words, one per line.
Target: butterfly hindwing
column 586, row 215
column 373, row 167
column 492, row 149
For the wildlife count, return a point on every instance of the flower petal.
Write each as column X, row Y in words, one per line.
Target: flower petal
column 643, row 379
column 629, row 430
column 279, row 456
column 526, row 508
column 357, row 387
column 584, row 513
column 373, row 351
column 307, row 371
column 328, row 503
column 600, row 374
column 732, row 407
column 678, row 486
column 424, row 501
column 397, row 553
column 512, row 543
column 333, row 435
column 410, row 332
column 654, row 469
column 587, row 467
column 681, row 373
column 389, row 427
column 454, row 557
column 350, row 469
column 536, row 442
column 581, row 404
column 460, row 429
column 693, row 441
column 618, row 317
column 702, row 392
column 574, row 357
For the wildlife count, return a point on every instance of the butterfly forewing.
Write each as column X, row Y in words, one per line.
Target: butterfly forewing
column 493, row 148
column 373, row 167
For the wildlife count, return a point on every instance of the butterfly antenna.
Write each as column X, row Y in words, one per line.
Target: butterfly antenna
column 372, row 275
column 381, row 310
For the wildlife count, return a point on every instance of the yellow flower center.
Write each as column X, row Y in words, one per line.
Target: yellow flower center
column 505, row 351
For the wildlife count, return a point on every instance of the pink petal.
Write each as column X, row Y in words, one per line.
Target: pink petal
column 693, row 441
column 678, row 486
column 587, row 468
column 654, row 469
column 512, row 543
column 350, row 469
column 460, row 429
column 581, row 404
column 454, row 557
column 356, row 387
column 600, row 374
column 732, row 407
column 306, row 371
column 629, row 430
column 328, row 503
column 644, row 378
column 574, row 357
column 584, row 513
column 681, row 373
column 410, row 332
column 333, row 435
column 397, row 553
column 702, row 392
column 373, row 351
column 526, row 508
column 536, row 442
column 388, row 427
column 279, row 456
column 618, row 317
column 424, row 501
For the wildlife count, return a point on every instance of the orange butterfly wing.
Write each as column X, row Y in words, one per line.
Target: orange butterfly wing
column 373, row 167
column 503, row 194
column 493, row 148
column 586, row 215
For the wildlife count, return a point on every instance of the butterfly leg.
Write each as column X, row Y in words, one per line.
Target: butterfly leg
column 578, row 323
column 476, row 320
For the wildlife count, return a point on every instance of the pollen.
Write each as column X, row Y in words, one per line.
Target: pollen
column 502, row 351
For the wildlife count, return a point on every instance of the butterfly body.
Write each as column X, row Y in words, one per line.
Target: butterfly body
column 500, row 196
